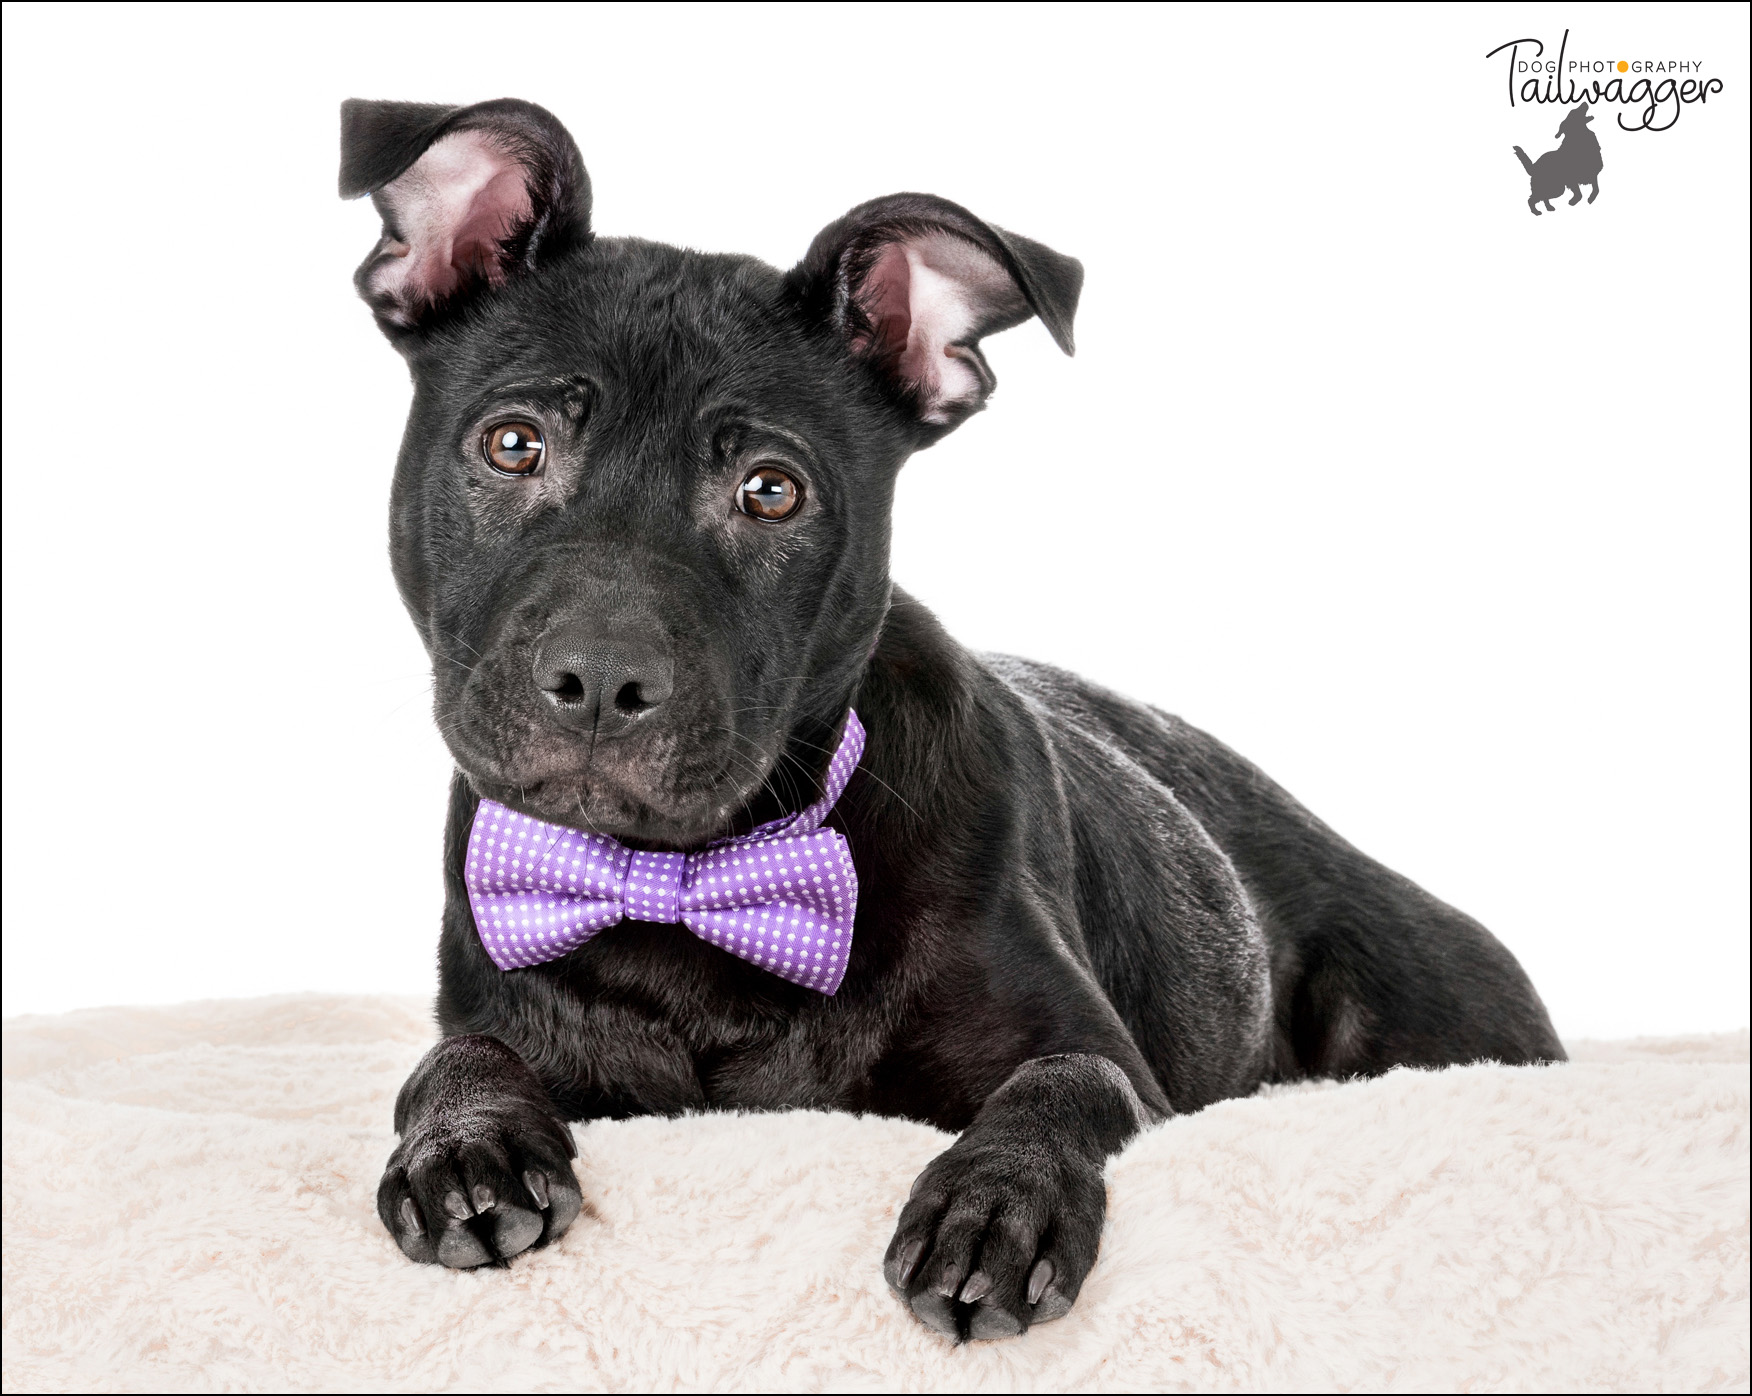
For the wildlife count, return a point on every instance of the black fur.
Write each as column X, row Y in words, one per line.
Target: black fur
column 1076, row 913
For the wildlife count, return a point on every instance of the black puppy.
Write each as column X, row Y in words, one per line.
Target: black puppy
column 641, row 520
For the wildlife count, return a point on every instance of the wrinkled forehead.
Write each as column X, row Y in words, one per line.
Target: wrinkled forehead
column 653, row 328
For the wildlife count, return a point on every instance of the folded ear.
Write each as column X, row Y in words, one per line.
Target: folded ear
column 913, row 282
column 470, row 196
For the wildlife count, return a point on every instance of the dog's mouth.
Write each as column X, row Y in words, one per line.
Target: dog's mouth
column 677, row 776
column 625, row 799
column 638, row 823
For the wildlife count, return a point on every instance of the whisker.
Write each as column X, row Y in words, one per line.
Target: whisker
column 873, row 776
column 449, row 635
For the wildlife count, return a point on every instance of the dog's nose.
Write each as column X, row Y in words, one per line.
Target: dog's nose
column 607, row 681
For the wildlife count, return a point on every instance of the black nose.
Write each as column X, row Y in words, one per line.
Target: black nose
column 599, row 679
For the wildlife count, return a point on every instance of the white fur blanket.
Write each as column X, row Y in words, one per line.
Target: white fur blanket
column 188, row 1205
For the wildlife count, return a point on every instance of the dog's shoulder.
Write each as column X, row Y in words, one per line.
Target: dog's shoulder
column 1075, row 707
column 1119, row 762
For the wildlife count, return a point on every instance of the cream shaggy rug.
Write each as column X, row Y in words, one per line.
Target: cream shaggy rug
column 188, row 1206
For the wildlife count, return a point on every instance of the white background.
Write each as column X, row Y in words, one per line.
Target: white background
column 1436, row 510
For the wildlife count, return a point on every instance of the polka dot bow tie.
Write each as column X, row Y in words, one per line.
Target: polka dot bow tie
column 781, row 897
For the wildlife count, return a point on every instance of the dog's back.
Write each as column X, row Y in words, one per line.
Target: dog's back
column 1368, row 971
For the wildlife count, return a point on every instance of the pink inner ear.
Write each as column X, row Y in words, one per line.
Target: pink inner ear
column 928, row 299
column 452, row 208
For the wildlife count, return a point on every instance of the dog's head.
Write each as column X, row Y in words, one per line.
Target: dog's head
column 1574, row 122
column 641, row 511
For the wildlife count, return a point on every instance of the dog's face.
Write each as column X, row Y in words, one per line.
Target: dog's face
column 641, row 511
column 633, row 531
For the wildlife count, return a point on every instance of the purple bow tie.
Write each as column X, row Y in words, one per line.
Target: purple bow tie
column 781, row 897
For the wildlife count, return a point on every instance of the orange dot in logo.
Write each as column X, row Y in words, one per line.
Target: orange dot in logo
column 1624, row 67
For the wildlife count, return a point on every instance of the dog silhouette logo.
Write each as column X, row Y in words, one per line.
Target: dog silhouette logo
column 1575, row 162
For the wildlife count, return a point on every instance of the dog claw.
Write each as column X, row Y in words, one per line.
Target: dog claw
column 483, row 1198
column 1038, row 1279
column 538, row 1188
column 906, row 1262
column 979, row 1284
column 410, row 1215
column 457, row 1205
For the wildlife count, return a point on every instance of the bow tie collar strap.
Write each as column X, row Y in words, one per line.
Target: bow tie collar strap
column 782, row 897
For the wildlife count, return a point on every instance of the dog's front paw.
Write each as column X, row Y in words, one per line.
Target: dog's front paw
column 479, row 1186
column 998, row 1235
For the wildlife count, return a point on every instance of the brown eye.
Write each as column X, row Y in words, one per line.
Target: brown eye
column 513, row 447
column 768, row 494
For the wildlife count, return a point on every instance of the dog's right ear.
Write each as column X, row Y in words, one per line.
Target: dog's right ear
column 470, row 197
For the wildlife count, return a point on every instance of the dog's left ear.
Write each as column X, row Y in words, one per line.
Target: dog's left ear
column 912, row 283
column 470, row 197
